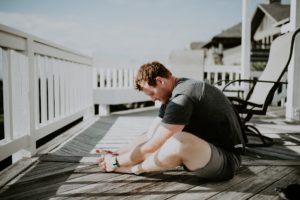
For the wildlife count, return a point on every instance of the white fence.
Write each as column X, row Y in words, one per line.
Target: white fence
column 45, row 87
column 116, row 86
column 214, row 74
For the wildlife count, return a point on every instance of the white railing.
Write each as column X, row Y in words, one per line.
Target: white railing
column 116, row 86
column 45, row 87
column 214, row 74
column 279, row 98
column 116, row 78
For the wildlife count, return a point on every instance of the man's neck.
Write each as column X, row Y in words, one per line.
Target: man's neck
column 173, row 81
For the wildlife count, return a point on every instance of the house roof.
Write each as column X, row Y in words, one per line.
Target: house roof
column 232, row 32
column 229, row 37
column 196, row 45
column 275, row 11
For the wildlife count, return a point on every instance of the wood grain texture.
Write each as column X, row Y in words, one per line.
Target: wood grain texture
column 67, row 168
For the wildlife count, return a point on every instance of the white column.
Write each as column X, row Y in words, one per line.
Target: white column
column 246, row 41
column 293, row 91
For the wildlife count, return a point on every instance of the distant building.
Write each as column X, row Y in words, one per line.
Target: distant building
column 197, row 45
column 225, row 49
column 227, row 39
column 265, row 27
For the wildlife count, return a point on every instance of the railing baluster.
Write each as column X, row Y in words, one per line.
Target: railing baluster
column 56, row 89
column 42, row 89
column 50, row 89
column 209, row 77
column 114, row 78
column 120, row 78
column 131, row 78
column 126, row 83
column 223, row 78
column 108, row 78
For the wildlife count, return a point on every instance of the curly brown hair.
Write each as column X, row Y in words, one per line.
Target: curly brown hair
column 148, row 73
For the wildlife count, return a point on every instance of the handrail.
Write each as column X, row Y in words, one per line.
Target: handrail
column 46, row 86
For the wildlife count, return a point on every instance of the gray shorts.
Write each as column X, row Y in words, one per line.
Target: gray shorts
column 223, row 165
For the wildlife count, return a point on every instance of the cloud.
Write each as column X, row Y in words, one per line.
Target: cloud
column 109, row 38
column 107, row 41
column 63, row 32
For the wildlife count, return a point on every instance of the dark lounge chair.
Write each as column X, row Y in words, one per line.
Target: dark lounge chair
column 261, row 93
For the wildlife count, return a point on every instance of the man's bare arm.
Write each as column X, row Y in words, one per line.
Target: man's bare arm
column 139, row 153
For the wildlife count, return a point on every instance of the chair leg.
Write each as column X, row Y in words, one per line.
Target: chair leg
column 253, row 131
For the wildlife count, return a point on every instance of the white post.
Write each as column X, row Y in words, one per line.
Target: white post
column 246, row 41
column 32, row 96
column 293, row 92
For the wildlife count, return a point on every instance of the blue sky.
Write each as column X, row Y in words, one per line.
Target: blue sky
column 118, row 32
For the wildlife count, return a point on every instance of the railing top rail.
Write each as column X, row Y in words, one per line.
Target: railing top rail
column 16, row 39
column 222, row 68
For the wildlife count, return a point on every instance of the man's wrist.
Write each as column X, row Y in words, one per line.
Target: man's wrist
column 111, row 163
column 117, row 164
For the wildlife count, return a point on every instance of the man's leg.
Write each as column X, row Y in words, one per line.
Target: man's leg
column 181, row 149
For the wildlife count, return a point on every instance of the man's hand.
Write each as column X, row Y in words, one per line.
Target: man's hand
column 108, row 163
column 102, row 164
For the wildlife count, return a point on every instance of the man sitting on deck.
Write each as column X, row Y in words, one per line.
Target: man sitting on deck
column 196, row 128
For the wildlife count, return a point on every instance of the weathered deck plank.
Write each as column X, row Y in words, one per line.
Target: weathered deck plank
column 268, row 193
column 209, row 189
column 67, row 169
column 253, row 185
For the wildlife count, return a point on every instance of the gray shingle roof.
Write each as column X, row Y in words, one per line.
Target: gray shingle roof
column 276, row 11
column 229, row 38
column 232, row 32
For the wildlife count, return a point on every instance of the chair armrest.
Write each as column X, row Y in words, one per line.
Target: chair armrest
column 238, row 80
column 242, row 102
column 249, row 81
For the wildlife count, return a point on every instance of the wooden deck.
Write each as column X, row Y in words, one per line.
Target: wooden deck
column 65, row 168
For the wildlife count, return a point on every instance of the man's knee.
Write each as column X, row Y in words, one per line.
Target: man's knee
column 189, row 141
column 173, row 145
column 184, row 143
column 169, row 155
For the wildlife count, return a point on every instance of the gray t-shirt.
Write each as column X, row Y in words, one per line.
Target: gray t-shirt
column 205, row 111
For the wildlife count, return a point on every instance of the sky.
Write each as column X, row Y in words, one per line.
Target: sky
column 123, row 33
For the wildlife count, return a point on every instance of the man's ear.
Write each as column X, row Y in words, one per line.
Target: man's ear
column 160, row 80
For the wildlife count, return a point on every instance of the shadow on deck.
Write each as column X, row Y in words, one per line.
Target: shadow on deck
column 66, row 168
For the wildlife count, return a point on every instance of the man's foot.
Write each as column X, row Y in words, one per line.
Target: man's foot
column 103, row 152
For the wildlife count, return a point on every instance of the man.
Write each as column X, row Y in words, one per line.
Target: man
column 197, row 128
